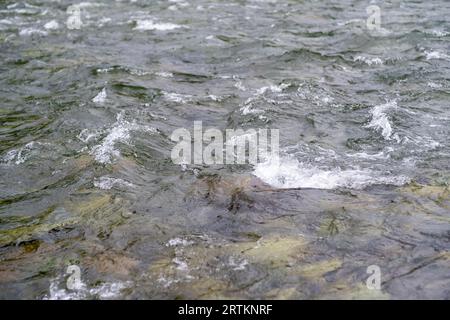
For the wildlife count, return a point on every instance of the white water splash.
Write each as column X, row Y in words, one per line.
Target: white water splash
column 438, row 33
column 214, row 98
column 436, row 55
column 87, row 135
column 237, row 264
column 177, row 97
column 287, row 172
column 120, row 132
column 22, row 8
column 180, row 264
column 108, row 290
column 368, row 61
column 143, row 25
column 32, row 31
column 51, row 25
column 272, row 88
column 164, row 74
column 434, row 85
column 240, row 86
column 107, row 183
column 178, row 242
column 380, row 120
column 100, row 98
column 20, row 155
column 248, row 106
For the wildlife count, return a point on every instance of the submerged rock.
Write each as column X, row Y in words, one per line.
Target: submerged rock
column 265, row 268
column 232, row 192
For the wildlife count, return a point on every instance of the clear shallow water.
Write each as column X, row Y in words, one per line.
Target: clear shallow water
column 87, row 178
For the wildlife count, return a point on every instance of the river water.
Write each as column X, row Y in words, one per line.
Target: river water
column 90, row 93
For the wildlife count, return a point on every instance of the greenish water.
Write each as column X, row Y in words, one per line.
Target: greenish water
column 86, row 175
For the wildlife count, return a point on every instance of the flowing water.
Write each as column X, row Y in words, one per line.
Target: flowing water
column 87, row 108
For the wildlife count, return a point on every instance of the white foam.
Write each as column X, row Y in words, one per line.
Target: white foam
column 20, row 155
column 180, row 264
column 32, row 31
column 240, row 86
column 288, row 172
column 432, row 55
column 135, row 72
column 104, row 70
column 81, row 291
column 272, row 88
column 365, row 155
column 100, row 98
column 87, row 4
column 109, row 290
column 164, row 74
column 120, row 132
column 438, row 33
column 214, row 98
column 368, row 61
column 238, row 83
column 105, row 152
column 51, row 25
column 178, row 242
column 166, row 282
column 434, row 85
column 103, row 21
column 86, row 135
column 57, row 293
column 7, row 22
column 106, row 183
column 237, row 264
column 150, row 25
column 248, row 106
column 177, row 97
column 21, row 8
column 380, row 120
